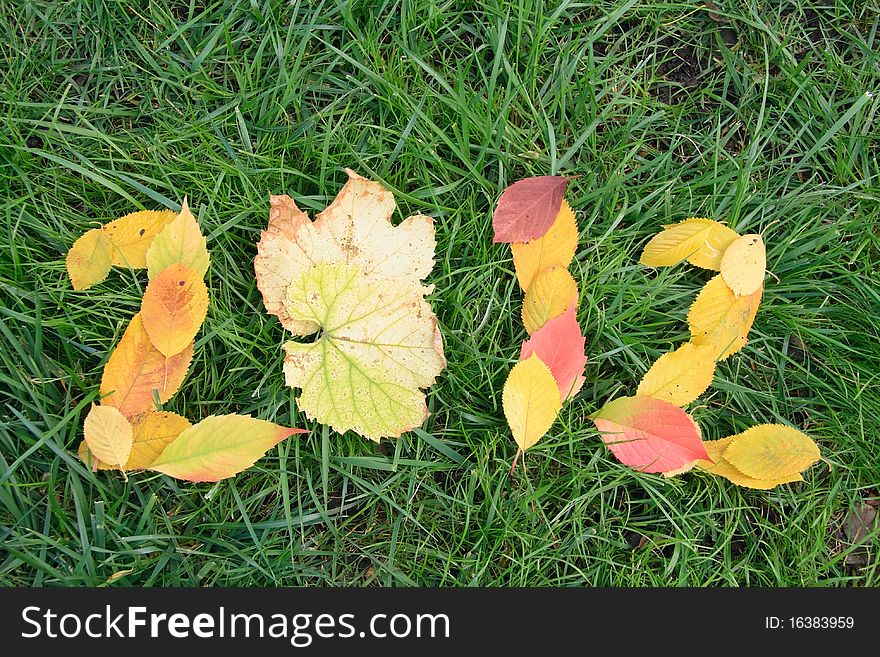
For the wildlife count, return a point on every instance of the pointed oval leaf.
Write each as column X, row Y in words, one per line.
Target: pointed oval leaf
column 136, row 368
column 560, row 345
column 649, row 434
column 527, row 208
column 722, row 468
column 720, row 319
column 218, row 447
column 771, row 451
column 744, row 264
column 108, row 435
column 88, row 261
column 554, row 249
column 551, row 292
column 700, row 241
column 680, row 376
column 531, row 401
column 180, row 242
column 173, row 308
column 151, row 432
column 380, row 344
column 130, row 236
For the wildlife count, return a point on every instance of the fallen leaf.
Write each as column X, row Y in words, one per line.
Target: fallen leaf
column 649, row 434
column 859, row 522
column 180, row 242
column 173, row 308
column 720, row 319
column 531, row 401
column 379, row 345
column 218, row 447
column 554, row 249
column 560, row 345
column 108, row 434
column 680, row 376
column 130, row 236
column 551, row 292
column 702, row 242
column 527, row 208
column 719, row 466
column 136, row 368
column 355, row 229
column 743, row 265
column 771, row 451
column 88, row 261
column 151, row 432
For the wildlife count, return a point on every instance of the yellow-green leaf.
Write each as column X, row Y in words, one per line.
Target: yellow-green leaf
column 380, row 344
column 180, row 242
column 130, row 236
column 218, row 447
column 680, row 376
column 771, row 451
column 720, row 319
column 108, row 434
column 88, row 261
column 743, row 265
column 531, row 401
column 554, row 249
column 700, row 241
column 551, row 292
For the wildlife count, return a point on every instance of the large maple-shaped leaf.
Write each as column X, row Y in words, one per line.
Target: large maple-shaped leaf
column 649, row 434
column 355, row 229
column 379, row 345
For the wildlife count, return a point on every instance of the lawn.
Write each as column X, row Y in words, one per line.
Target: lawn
column 757, row 113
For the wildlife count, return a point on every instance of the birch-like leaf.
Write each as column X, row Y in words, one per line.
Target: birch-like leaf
column 720, row 319
column 131, row 236
column 89, row 260
column 108, row 434
column 680, row 376
column 743, row 265
column 173, row 308
column 553, row 249
column 531, row 401
column 702, row 242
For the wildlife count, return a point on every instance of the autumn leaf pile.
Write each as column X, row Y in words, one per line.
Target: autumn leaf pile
column 540, row 226
column 650, row 431
column 127, row 431
column 356, row 280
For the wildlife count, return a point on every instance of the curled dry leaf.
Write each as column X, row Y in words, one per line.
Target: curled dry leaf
column 743, row 265
column 553, row 249
column 702, row 242
column 720, row 319
column 89, row 260
column 680, row 376
column 527, row 208
column 173, row 308
column 136, row 368
column 531, row 401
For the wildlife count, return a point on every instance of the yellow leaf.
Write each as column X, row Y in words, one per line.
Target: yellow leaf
column 701, row 242
column 743, row 265
column 771, row 451
column 108, row 434
column 551, row 292
column 355, row 229
column 720, row 319
column 136, row 368
column 531, row 401
column 88, row 261
column 722, row 468
column 680, row 376
column 380, row 344
column 173, row 308
column 130, row 236
column 218, row 447
column 180, row 242
column 555, row 249
column 152, row 432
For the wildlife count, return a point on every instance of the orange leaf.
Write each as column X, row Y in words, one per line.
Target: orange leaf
column 173, row 308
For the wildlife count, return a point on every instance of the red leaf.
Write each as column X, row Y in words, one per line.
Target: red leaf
column 560, row 345
column 527, row 208
column 649, row 435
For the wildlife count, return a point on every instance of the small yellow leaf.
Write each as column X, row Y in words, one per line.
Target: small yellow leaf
column 136, row 368
column 771, row 451
column 721, row 468
column 551, row 292
column 702, row 242
column 743, row 265
column 680, row 376
column 720, row 319
column 173, row 308
column 88, row 261
column 531, row 401
column 108, row 434
column 180, row 242
column 130, row 236
column 555, row 249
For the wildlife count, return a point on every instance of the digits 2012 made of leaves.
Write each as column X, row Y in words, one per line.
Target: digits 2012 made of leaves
column 127, row 431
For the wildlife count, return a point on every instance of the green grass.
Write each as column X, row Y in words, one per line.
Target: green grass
column 756, row 115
